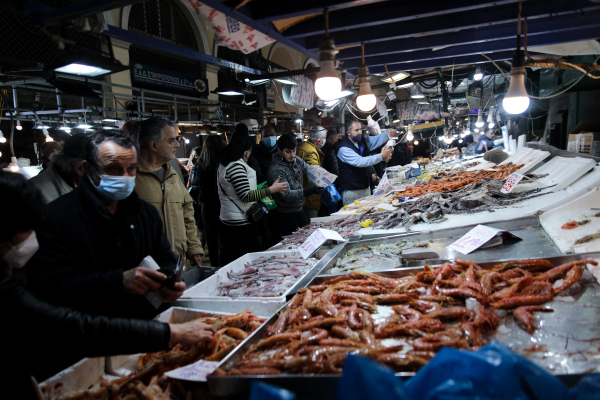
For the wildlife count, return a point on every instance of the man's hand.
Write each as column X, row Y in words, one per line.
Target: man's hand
column 197, row 259
column 171, row 295
column 139, row 280
column 191, row 332
column 386, row 153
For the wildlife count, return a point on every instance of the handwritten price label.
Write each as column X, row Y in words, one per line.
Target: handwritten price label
column 511, row 182
column 316, row 240
column 195, row 372
column 474, row 239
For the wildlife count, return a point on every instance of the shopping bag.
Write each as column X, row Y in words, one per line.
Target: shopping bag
column 263, row 391
column 330, row 196
column 267, row 201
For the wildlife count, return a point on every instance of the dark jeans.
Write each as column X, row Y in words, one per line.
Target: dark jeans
column 288, row 223
column 236, row 241
column 210, row 217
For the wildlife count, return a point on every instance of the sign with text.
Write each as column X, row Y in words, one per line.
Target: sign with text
column 511, row 182
column 168, row 81
column 195, row 372
column 474, row 239
column 385, row 185
column 316, row 240
column 270, row 98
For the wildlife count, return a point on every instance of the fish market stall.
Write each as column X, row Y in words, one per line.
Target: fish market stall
column 401, row 318
column 144, row 373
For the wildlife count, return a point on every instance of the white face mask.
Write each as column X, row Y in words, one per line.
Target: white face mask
column 18, row 255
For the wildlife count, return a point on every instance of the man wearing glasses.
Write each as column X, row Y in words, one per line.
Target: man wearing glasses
column 157, row 182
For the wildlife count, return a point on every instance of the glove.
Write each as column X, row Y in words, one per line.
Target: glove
column 312, row 190
column 498, row 141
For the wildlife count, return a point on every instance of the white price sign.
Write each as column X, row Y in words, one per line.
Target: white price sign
column 195, row 372
column 474, row 239
column 511, row 182
column 316, row 240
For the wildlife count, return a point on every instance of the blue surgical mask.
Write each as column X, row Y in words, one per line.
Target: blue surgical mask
column 269, row 141
column 115, row 188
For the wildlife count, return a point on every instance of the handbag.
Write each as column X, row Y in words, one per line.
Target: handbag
column 254, row 213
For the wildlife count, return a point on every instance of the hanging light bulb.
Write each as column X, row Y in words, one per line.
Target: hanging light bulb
column 19, row 127
column 479, row 122
column 416, row 92
column 490, row 119
column 409, row 133
column 516, row 99
column 13, row 164
column 460, row 141
column 2, row 138
column 478, row 75
column 476, row 130
column 416, row 142
column 328, row 86
column 448, row 140
column 366, row 100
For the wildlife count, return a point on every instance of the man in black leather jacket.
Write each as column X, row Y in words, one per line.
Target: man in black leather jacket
column 95, row 237
column 38, row 336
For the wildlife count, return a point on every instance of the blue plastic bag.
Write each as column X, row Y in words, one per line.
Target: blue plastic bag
column 364, row 379
column 263, row 391
column 330, row 196
column 493, row 372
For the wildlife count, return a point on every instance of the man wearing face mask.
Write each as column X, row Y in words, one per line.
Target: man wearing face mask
column 156, row 182
column 262, row 153
column 95, row 237
column 68, row 335
column 355, row 161
column 310, row 152
column 291, row 170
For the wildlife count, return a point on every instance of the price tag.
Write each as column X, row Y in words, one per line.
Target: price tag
column 474, row 239
column 384, row 186
column 316, row 240
column 511, row 182
column 195, row 372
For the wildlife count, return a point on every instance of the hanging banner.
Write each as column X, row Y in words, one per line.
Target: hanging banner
column 230, row 32
column 168, row 80
column 300, row 95
column 411, row 110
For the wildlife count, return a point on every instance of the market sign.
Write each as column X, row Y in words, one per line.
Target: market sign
column 168, row 80
column 270, row 98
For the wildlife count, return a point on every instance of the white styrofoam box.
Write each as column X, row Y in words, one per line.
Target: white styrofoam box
column 87, row 373
column 577, row 210
column 563, row 171
column 528, row 156
column 483, row 165
column 576, row 189
column 204, row 293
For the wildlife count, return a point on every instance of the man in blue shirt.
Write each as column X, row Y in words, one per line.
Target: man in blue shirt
column 355, row 161
column 486, row 142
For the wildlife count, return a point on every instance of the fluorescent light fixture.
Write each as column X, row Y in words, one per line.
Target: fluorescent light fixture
column 395, row 121
column 42, row 127
column 64, row 128
column 287, row 80
column 84, row 126
column 110, row 120
column 389, row 109
column 406, row 85
column 416, row 93
column 109, row 127
column 423, row 102
column 298, row 121
column 396, row 77
column 257, row 81
column 448, row 140
column 478, row 75
column 84, row 64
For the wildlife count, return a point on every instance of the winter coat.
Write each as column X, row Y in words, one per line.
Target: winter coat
column 260, row 161
column 330, row 161
column 85, row 249
column 292, row 199
column 174, row 204
column 50, row 183
column 43, row 339
column 312, row 156
column 203, row 184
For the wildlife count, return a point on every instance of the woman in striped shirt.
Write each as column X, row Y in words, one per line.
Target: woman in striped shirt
column 237, row 192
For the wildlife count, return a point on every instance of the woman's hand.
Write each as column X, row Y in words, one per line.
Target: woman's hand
column 278, row 187
column 191, row 332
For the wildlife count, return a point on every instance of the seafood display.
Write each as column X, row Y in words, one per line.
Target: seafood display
column 149, row 381
column 404, row 322
column 373, row 258
column 458, row 180
column 346, row 227
column 265, row 277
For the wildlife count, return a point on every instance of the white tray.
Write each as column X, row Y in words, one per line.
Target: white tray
column 528, row 156
column 203, row 295
column 576, row 210
column 563, row 171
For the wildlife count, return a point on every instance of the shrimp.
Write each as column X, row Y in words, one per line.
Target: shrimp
column 530, row 265
column 345, row 333
column 278, row 338
column 395, row 298
column 467, row 263
column 435, row 343
column 463, row 293
column 486, row 321
column 425, row 306
column 526, row 300
column 255, row 371
column 524, row 316
column 559, row 271
column 572, row 278
column 449, row 314
column 407, row 313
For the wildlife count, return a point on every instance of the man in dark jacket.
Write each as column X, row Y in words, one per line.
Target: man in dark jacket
column 290, row 169
column 330, row 161
column 67, row 335
column 262, row 153
column 95, row 237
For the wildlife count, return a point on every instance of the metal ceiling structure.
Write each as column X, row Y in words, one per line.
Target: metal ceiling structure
column 410, row 35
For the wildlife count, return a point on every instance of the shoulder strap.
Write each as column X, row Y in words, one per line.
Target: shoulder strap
column 223, row 190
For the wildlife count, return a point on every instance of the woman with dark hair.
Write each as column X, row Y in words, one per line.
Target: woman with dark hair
column 67, row 334
column 203, row 188
column 236, row 185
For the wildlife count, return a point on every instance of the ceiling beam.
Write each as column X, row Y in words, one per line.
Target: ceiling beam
column 85, row 9
column 473, row 36
column 478, row 48
column 387, row 13
column 273, row 10
column 453, row 22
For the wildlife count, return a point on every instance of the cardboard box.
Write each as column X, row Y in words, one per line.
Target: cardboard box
column 589, row 141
